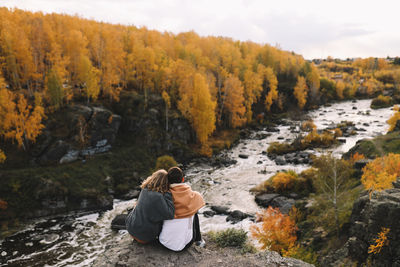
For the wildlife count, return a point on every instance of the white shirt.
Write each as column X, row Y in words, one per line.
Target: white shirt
column 176, row 233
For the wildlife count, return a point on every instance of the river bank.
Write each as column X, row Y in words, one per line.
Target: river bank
column 83, row 238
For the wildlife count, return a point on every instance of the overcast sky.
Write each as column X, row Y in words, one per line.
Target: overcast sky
column 313, row 28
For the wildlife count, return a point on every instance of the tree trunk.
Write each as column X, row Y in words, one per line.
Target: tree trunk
column 335, row 185
column 166, row 118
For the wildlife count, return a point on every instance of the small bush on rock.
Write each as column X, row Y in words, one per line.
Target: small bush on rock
column 379, row 174
column 165, row 162
column 229, row 238
column 381, row 102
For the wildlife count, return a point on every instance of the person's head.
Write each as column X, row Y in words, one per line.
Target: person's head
column 158, row 182
column 175, row 175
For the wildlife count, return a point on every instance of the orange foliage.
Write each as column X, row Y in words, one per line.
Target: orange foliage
column 3, row 204
column 356, row 157
column 277, row 231
column 379, row 174
column 380, row 241
column 67, row 58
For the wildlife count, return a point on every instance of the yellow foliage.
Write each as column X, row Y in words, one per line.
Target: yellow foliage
column 308, row 126
column 21, row 121
column 272, row 95
column 379, row 174
column 2, row 156
column 339, row 89
column 283, row 180
column 338, row 132
column 234, row 101
column 277, row 231
column 395, row 117
column 380, row 241
column 197, row 106
column 312, row 137
column 300, row 91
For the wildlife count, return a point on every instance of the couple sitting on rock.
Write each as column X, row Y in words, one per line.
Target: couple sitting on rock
column 166, row 210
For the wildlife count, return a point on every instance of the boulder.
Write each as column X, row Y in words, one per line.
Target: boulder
column 118, row 223
column 236, row 216
column 71, row 156
column 276, row 201
column 260, row 136
column 220, row 210
column 55, row 152
column 283, row 203
column 264, row 199
column 280, row 160
column 243, row 156
column 209, row 213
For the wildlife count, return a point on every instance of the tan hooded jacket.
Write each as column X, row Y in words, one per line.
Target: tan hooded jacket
column 186, row 201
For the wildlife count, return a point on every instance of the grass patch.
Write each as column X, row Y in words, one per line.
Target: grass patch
column 232, row 238
column 377, row 147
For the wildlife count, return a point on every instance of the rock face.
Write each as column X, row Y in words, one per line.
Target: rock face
column 367, row 219
column 78, row 132
column 54, row 199
column 149, row 124
column 126, row 253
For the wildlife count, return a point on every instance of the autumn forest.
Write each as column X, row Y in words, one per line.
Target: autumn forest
column 49, row 61
column 88, row 109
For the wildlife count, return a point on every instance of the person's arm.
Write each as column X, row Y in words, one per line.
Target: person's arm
column 164, row 209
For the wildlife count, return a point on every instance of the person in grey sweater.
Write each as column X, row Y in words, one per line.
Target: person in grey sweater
column 155, row 204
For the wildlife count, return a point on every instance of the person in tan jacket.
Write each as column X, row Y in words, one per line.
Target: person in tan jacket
column 182, row 231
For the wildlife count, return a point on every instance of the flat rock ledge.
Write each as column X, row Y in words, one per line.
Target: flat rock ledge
column 129, row 253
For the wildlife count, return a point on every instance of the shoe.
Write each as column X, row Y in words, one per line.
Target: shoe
column 200, row 243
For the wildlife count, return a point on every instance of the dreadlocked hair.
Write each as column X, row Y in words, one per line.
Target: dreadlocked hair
column 158, row 182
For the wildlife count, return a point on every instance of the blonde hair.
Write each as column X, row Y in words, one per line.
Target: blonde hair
column 158, row 182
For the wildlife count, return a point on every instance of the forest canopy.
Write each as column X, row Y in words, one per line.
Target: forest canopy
column 48, row 61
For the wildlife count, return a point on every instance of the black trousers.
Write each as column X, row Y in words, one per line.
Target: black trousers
column 196, row 231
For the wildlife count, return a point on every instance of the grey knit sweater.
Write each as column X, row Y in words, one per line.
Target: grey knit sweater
column 146, row 219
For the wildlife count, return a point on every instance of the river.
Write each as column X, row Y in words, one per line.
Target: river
column 76, row 240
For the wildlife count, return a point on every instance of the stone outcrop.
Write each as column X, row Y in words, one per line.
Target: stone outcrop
column 367, row 219
column 369, row 216
column 126, row 253
column 77, row 132
column 54, row 198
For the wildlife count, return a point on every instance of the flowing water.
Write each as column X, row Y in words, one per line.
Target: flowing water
column 76, row 240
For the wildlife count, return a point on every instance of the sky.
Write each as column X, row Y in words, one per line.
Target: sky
column 312, row 28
